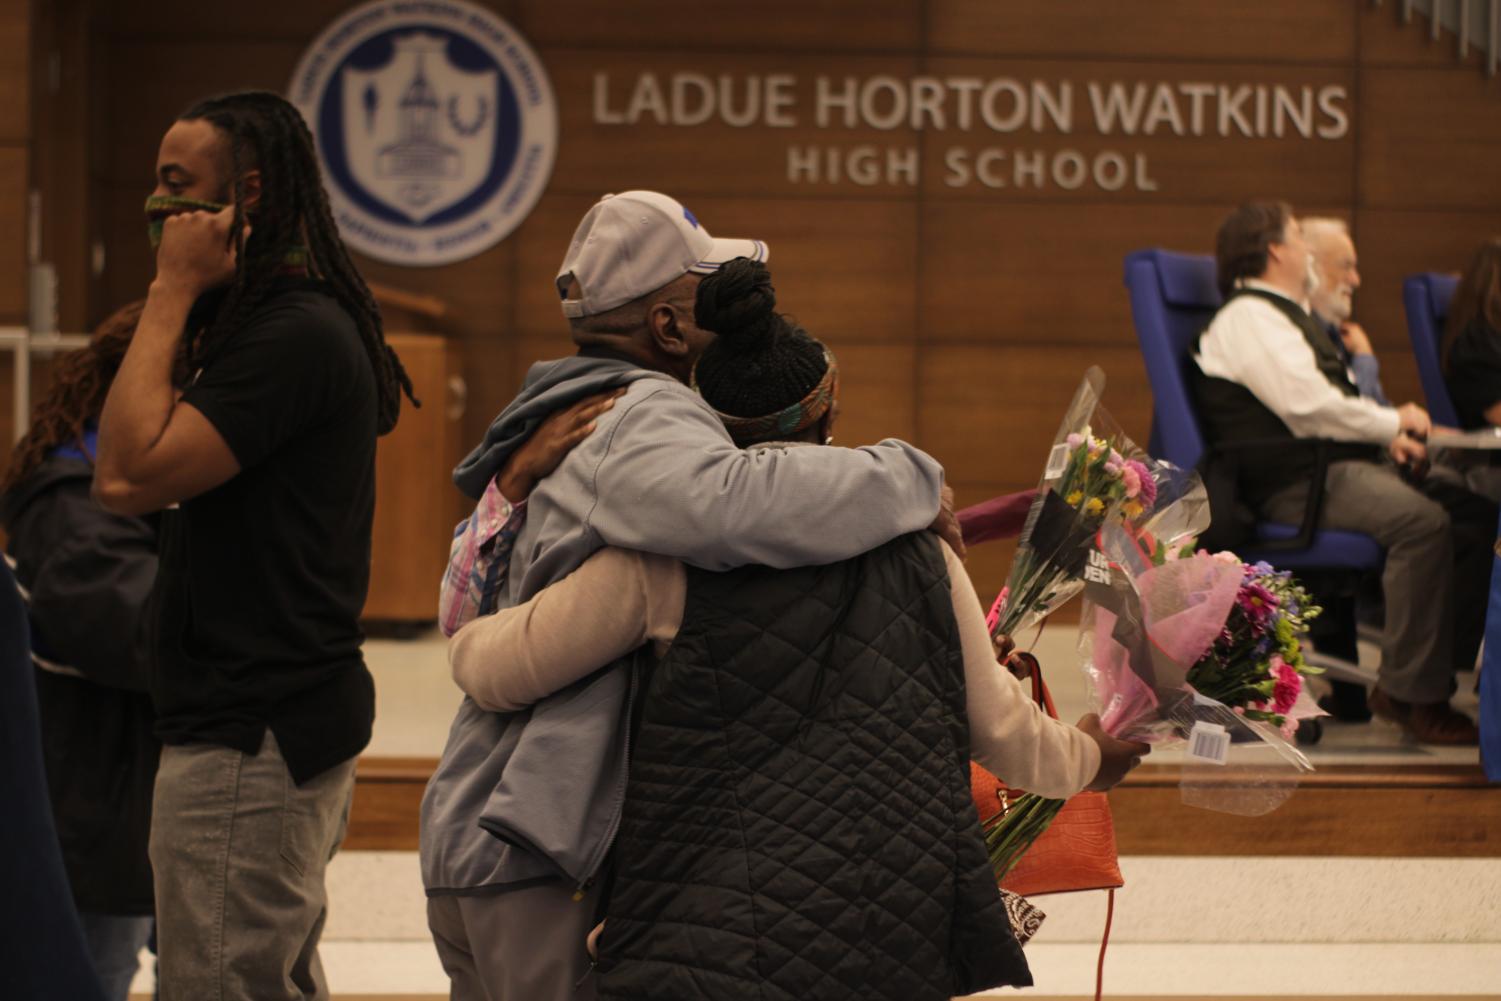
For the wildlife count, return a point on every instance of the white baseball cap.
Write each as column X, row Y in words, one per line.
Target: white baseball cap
column 635, row 242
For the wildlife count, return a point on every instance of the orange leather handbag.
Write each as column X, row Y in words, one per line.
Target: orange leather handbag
column 1077, row 851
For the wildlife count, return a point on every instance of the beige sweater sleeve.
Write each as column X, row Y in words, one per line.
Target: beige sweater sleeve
column 619, row 599
column 1008, row 733
column 613, row 603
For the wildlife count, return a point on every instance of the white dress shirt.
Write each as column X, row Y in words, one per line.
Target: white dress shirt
column 1253, row 343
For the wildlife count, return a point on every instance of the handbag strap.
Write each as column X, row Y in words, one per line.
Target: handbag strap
column 1040, row 693
column 1099, row 973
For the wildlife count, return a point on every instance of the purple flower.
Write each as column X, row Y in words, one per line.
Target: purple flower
column 1074, row 440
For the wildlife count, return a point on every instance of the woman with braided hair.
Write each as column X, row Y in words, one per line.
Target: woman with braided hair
column 798, row 824
column 87, row 575
column 267, row 461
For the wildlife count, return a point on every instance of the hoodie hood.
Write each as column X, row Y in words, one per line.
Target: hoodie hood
column 550, row 386
column 62, row 464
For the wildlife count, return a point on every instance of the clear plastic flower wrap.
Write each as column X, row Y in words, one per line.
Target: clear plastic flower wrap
column 1094, row 474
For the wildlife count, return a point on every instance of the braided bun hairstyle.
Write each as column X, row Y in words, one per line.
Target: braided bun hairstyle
column 761, row 362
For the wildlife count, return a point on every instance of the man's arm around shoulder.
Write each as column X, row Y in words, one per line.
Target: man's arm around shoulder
column 672, row 482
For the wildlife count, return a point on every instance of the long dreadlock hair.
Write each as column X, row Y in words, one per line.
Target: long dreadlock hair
column 80, row 382
column 267, row 133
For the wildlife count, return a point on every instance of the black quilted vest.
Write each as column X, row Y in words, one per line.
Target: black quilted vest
column 1232, row 413
column 798, row 824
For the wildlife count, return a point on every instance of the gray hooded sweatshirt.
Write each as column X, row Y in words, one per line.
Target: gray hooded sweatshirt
column 525, row 797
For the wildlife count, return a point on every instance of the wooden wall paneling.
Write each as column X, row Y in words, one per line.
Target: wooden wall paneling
column 15, row 83
column 60, row 163
column 715, row 157
column 988, row 562
column 1414, row 812
column 14, row 168
column 277, row 19
column 1420, row 811
column 15, row 69
column 1429, row 138
column 877, row 396
column 1043, row 274
column 1271, row 31
column 1385, row 41
column 1163, row 167
column 776, row 25
column 844, row 268
column 989, row 413
column 481, row 298
column 152, row 82
column 1393, row 244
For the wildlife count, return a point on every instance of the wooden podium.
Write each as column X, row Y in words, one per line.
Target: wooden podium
column 416, row 503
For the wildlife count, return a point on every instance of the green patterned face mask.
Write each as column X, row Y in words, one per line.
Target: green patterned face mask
column 159, row 207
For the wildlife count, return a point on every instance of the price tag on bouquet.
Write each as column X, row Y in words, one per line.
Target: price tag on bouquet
column 1209, row 742
column 1057, row 462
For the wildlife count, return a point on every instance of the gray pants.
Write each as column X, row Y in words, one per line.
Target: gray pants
column 240, row 853
column 1417, row 650
column 520, row 945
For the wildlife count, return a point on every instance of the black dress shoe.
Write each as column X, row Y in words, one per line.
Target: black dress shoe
column 1347, row 703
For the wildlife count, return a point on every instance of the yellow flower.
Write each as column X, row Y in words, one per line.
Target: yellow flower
column 1074, row 498
column 1095, row 506
column 1132, row 509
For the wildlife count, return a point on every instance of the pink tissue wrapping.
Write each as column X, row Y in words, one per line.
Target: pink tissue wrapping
column 1185, row 603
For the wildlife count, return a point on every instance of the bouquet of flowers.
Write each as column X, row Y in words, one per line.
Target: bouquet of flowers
column 1094, row 474
column 1185, row 646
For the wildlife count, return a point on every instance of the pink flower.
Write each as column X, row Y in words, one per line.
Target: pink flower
column 1074, row 440
column 999, row 608
column 1257, row 603
column 1144, row 478
column 1132, row 479
column 1289, row 684
column 1228, row 558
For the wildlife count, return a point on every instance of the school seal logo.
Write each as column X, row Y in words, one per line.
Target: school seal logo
column 435, row 124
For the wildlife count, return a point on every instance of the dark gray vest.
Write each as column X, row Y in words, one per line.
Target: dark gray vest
column 798, row 824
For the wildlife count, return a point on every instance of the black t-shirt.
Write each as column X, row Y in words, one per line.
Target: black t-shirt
column 1474, row 373
column 263, row 578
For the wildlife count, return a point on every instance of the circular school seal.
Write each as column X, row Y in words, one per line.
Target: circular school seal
column 435, row 124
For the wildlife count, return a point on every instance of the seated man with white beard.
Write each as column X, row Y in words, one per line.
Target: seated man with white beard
column 1336, row 265
column 1333, row 301
column 1267, row 369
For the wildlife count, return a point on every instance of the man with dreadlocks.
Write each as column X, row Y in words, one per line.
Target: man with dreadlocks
column 262, row 695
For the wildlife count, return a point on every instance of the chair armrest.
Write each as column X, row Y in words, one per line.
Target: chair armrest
column 1313, row 504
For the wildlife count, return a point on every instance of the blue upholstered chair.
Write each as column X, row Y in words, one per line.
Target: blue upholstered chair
column 1173, row 298
column 1426, row 298
column 1490, row 679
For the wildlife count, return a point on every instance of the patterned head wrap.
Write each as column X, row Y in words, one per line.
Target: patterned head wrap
column 790, row 420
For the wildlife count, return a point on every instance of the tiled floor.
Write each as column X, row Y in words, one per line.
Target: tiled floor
column 1184, row 927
